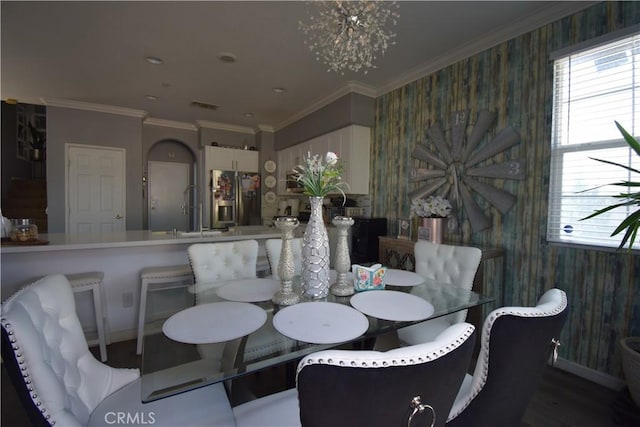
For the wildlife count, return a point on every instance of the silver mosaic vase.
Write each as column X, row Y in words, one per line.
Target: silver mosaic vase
column 315, row 254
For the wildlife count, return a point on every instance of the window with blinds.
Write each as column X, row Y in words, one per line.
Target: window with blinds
column 593, row 87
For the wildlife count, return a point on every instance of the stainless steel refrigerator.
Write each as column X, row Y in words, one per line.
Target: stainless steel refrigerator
column 235, row 198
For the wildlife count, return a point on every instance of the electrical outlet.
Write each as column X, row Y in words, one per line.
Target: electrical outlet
column 127, row 300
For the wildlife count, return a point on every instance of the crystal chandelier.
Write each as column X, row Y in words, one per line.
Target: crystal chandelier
column 349, row 34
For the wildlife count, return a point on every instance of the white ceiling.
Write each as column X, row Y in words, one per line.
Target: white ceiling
column 94, row 52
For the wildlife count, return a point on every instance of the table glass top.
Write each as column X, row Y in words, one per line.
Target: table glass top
column 170, row 366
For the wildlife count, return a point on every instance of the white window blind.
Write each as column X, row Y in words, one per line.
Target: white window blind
column 593, row 88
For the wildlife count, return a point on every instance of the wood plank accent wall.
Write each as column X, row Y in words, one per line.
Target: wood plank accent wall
column 515, row 80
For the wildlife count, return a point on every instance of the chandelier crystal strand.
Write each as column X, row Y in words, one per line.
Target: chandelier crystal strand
column 347, row 35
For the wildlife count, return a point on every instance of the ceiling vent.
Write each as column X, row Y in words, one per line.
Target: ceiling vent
column 201, row 104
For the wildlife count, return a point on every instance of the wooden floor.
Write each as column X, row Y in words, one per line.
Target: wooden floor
column 562, row 400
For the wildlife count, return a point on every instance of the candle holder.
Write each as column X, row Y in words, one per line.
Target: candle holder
column 286, row 269
column 342, row 260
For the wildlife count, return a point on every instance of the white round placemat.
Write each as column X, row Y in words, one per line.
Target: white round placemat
column 392, row 305
column 249, row 290
column 320, row 322
column 214, row 322
column 395, row 277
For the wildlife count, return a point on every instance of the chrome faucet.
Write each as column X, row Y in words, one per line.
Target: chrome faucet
column 186, row 207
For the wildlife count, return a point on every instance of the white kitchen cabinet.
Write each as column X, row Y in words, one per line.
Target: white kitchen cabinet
column 287, row 160
column 247, row 161
column 219, row 158
column 352, row 144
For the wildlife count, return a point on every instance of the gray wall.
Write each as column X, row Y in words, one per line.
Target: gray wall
column 351, row 109
column 66, row 126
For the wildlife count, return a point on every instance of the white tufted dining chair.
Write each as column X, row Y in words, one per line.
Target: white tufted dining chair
column 515, row 347
column 216, row 262
column 369, row 388
column 60, row 382
column 449, row 265
column 273, row 247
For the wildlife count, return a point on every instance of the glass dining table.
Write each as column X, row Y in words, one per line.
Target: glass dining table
column 231, row 329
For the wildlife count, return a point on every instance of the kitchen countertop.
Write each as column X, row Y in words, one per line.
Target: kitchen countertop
column 75, row 241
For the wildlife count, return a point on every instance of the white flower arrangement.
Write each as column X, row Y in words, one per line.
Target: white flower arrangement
column 320, row 178
column 431, row 207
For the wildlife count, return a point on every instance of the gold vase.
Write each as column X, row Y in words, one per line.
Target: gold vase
column 431, row 229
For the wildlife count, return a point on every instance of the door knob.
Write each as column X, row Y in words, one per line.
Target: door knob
column 119, row 217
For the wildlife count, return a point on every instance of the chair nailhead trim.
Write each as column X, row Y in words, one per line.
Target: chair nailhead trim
column 486, row 332
column 23, row 366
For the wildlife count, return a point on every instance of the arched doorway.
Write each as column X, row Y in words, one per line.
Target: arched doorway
column 170, row 174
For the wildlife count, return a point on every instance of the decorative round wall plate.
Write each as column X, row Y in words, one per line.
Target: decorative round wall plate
column 270, row 166
column 270, row 181
column 270, row 197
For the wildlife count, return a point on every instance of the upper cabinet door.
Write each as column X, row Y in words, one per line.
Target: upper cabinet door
column 352, row 144
column 218, row 158
column 229, row 159
column 247, row 161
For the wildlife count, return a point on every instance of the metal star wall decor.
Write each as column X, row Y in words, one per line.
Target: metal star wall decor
column 454, row 166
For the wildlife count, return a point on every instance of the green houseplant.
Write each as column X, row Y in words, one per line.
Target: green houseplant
column 632, row 198
column 630, row 346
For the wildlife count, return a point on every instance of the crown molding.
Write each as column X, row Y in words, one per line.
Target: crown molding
column 99, row 108
column 224, row 126
column 544, row 16
column 169, row 124
column 266, row 128
column 350, row 87
column 22, row 100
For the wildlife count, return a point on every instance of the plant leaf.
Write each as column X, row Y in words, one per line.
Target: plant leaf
column 633, row 143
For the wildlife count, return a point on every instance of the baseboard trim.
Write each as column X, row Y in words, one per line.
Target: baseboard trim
column 605, row 380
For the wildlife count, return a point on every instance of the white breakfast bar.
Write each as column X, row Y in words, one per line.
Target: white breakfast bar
column 120, row 255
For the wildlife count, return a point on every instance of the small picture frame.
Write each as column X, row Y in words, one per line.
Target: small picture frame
column 404, row 229
column 424, row 233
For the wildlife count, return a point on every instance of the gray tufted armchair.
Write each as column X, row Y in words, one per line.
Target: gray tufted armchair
column 515, row 348
column 369, row 388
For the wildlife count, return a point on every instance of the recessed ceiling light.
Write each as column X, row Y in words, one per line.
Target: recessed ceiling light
column 151, row 97
column 279, row 90
column 248, row 115
column 154, row 60
column 227, row 57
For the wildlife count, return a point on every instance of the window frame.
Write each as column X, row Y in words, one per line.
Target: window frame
column 557, row 174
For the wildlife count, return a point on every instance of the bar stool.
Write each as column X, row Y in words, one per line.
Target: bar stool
column 92, row 281
column 154, row 279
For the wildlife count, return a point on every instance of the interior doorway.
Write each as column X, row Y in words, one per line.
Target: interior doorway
column 168, row 208
column 95, row 188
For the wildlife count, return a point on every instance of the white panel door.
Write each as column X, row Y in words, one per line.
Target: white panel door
column 167, row 182
column 95, row 189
